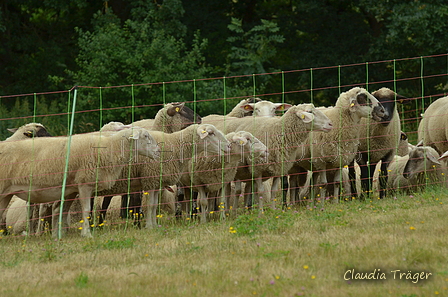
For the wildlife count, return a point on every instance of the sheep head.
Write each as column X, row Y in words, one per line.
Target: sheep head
column 144, row 142
column 421, row 159
column 265, row 108
column 212, row 140
column 114, row 126
column 314, row 119
column 388, row 100
column 185, row 114
column 253, row 146
column 360, row 103
column 31, row 130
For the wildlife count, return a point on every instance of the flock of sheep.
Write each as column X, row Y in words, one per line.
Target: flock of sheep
column 248, row 153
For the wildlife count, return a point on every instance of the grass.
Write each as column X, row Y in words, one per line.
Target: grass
column 293, row 252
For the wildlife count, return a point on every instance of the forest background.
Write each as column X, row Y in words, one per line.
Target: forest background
column 53, row 45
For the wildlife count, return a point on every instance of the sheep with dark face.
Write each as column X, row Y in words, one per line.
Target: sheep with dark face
column 379, row 141
column 281, row 135
column 171, row 118
column 326, row 154
column 28, row 131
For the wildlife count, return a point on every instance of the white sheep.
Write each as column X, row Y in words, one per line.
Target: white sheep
column 282, row 136
column 34, row 169
column 325, row 154
column 26, row 131
column 177, row 149
column 171, row 118
column 433, row 128
column 29, row 130
column 212, row 175
column 379, row 141
column 413, row 172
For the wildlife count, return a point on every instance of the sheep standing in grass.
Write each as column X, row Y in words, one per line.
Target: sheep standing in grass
column 325, row 154
column 281, row 135
column 379, row 141
column 26, row 131
column 171, row 118
column 211, row 174
column 433, row 128
column 177, row 149
column 413, row 172
column 34, row 169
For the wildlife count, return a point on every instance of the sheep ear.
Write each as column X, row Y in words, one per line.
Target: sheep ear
column 443, row 156
column 433, row 158
column 202, row 132
column 282, row 106
column 247, row 107
column 353, row 105
column 29, row 134
column 402, row 99
column 253, row 100
column 135, row 135
column 12, row 130
column 420, row 143
column 176, row 108
column 306, row 117
column 403, row 136
column 240, row 140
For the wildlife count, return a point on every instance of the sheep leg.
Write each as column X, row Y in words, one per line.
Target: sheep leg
column 293, row 188
column 274, row 189
column 285, row 187
column 248, row 195
column 4, row 201
column 383, row 178
column 153, row 203
column 56, row 212
column 203, row 204
column 104, row 206
column 336, row 185
column 44, row 214
column 85, row 194
column 367, row 172
column 259, row 192
column 352, row 178
column 322, row 183
column 33, row 217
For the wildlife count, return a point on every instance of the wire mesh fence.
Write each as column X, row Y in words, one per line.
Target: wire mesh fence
column 335, row 134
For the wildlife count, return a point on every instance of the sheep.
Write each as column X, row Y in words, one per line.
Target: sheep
column 336, row 149
column 261, row 108
column 433, row 128
column 177, row 149
column 258, row 109
column 29, row 130
column 212, row 175
column 412, row 172
column 281, row 135
column 250, row 107
column 95, row 162
column 238, row 111
column 26, row 131
column 16, row 216
column 171, row 118
column 379, row 142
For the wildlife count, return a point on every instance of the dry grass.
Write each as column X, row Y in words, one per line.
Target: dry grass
column 278, row 253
